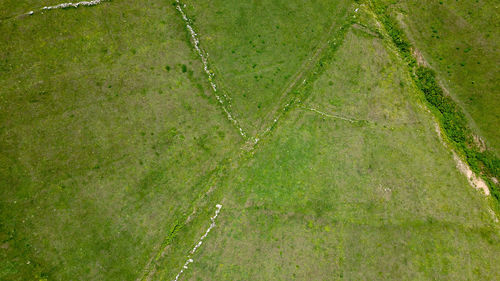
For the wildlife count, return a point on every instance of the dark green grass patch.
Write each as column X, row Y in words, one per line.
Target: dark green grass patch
column 103, row 149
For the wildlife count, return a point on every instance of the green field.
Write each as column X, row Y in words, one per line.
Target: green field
column 105, row 141
column 114, row 150
column 327, row 199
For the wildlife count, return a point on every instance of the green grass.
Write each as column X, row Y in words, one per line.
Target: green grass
column 257, row 48
column 102, row 149
column 110, row 137
column 325, row 199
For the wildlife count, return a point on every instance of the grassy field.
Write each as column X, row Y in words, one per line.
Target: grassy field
column 114, row 150
column 105, row 141
column 460, row 40
column 259, row 48
column 327, row 199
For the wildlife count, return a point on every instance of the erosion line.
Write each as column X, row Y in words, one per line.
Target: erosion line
column 59, row 6
column 74, row 5
column 203, row 56
column 462, row 165
column 474, row 180
column 190, row 260
column 330, row 115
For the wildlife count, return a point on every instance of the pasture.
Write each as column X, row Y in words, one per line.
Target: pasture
column 115, row 151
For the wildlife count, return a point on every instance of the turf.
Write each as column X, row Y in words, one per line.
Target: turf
column 114, row 150
column 105, row 141
column 327, row 199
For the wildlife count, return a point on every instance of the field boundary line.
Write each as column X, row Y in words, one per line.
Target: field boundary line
column 73, row 5
column 210, row 74
column 246, row 151
column 306, row 65
column 249, row 147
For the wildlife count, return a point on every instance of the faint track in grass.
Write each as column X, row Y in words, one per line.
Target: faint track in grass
column 280, row 109
column 275, row 114
column 331, row 115
column 190, row 260
column 150, row 268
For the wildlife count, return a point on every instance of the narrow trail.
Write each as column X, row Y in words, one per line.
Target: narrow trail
column 306, row 66
column 246, row 149
column 150, row 268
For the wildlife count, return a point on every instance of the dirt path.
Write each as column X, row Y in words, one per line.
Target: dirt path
column 212, row 225
column 472, row 178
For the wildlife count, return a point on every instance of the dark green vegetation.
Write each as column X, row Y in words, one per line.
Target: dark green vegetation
column 110, row 138
column 453, row 120
column 460, row 41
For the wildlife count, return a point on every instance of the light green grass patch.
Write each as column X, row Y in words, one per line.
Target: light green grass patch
column 387, row 190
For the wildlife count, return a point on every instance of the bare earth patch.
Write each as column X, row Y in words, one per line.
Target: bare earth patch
column 493, row 215
column 474, row 180
column 419, row 57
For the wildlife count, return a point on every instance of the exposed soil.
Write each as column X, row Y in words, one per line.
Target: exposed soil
column 473, row 179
